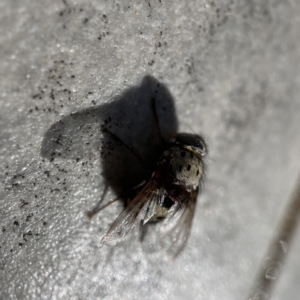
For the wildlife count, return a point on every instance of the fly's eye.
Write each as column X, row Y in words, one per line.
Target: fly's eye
column 194, row 141
column 201, row 146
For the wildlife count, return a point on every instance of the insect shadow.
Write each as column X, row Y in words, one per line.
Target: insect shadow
column 130, row 117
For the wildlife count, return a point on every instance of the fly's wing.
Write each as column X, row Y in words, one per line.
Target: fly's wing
column 141, row 208
column 180, row 232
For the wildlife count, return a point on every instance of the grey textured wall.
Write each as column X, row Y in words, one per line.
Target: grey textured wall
column 228, row 69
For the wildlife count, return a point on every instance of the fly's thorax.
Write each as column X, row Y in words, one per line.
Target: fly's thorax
column 186, row 166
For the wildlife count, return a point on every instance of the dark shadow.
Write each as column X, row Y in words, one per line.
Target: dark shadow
column 130, row 117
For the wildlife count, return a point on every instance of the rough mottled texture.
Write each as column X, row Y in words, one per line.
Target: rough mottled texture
column 232, row 70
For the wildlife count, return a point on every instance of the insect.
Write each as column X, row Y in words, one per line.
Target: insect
column 168, row 193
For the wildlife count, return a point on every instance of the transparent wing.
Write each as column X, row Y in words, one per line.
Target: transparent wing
column 183, row 218
column 141, row 208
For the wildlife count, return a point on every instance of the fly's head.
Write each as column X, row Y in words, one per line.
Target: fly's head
column 191, row 142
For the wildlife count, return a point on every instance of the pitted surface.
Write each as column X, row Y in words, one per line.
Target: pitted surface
column 232, row 69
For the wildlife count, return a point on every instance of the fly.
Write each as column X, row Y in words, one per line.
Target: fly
column 169, row 192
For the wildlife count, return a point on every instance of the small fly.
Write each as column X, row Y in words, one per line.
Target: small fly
column 169, row 192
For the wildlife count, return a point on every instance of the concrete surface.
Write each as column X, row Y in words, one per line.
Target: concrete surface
column 228, row 69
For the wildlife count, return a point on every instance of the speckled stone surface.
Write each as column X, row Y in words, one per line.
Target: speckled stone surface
column 228, row 69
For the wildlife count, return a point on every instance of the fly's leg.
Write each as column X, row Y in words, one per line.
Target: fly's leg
column 91, row 213
column 98, row 207
column 131, row 149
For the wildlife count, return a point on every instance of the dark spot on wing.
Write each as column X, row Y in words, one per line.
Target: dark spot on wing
column 188, row 167
column 197, row 172
column 192, row 155
column 180, row 168
column 182, row 154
